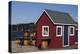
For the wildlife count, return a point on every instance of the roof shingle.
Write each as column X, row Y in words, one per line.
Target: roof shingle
column 60, row 17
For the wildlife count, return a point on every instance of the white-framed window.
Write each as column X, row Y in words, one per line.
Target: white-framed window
column 45, row 30
column 71, row 30
column 58, row 30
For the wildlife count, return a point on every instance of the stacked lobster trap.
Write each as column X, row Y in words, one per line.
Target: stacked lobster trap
column 26, row 39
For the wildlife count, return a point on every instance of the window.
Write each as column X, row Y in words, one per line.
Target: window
column 45, row 30
column 59, row 30
column 71, row 30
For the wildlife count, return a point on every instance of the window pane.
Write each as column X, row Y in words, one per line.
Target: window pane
column 71, row 30
column 45, row 31
column 59, row 31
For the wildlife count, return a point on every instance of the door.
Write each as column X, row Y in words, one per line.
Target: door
column 66, row 36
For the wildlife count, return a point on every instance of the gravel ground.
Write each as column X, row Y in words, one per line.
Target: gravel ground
column 28, row 48
column 16, row 49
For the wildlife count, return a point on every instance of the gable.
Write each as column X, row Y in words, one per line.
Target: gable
column 44, row 18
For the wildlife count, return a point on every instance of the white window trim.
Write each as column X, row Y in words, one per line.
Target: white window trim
column 43, row 30
column 70, row 29
column 57, row 30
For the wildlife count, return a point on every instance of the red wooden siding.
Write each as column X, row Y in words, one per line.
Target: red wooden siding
column 56, row 42
column 72, row 39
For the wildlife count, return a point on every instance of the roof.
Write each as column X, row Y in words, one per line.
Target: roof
column 60, row 17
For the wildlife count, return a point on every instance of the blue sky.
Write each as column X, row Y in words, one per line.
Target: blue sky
column 26, row 12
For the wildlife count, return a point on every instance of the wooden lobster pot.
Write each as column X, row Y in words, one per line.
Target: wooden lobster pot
column 25, row 42
column 25, row 33
column 33, row 42
column 34, row 34
column 44, row 44
column 18, row 42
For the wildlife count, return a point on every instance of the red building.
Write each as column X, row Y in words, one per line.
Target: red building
column 58, row 28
